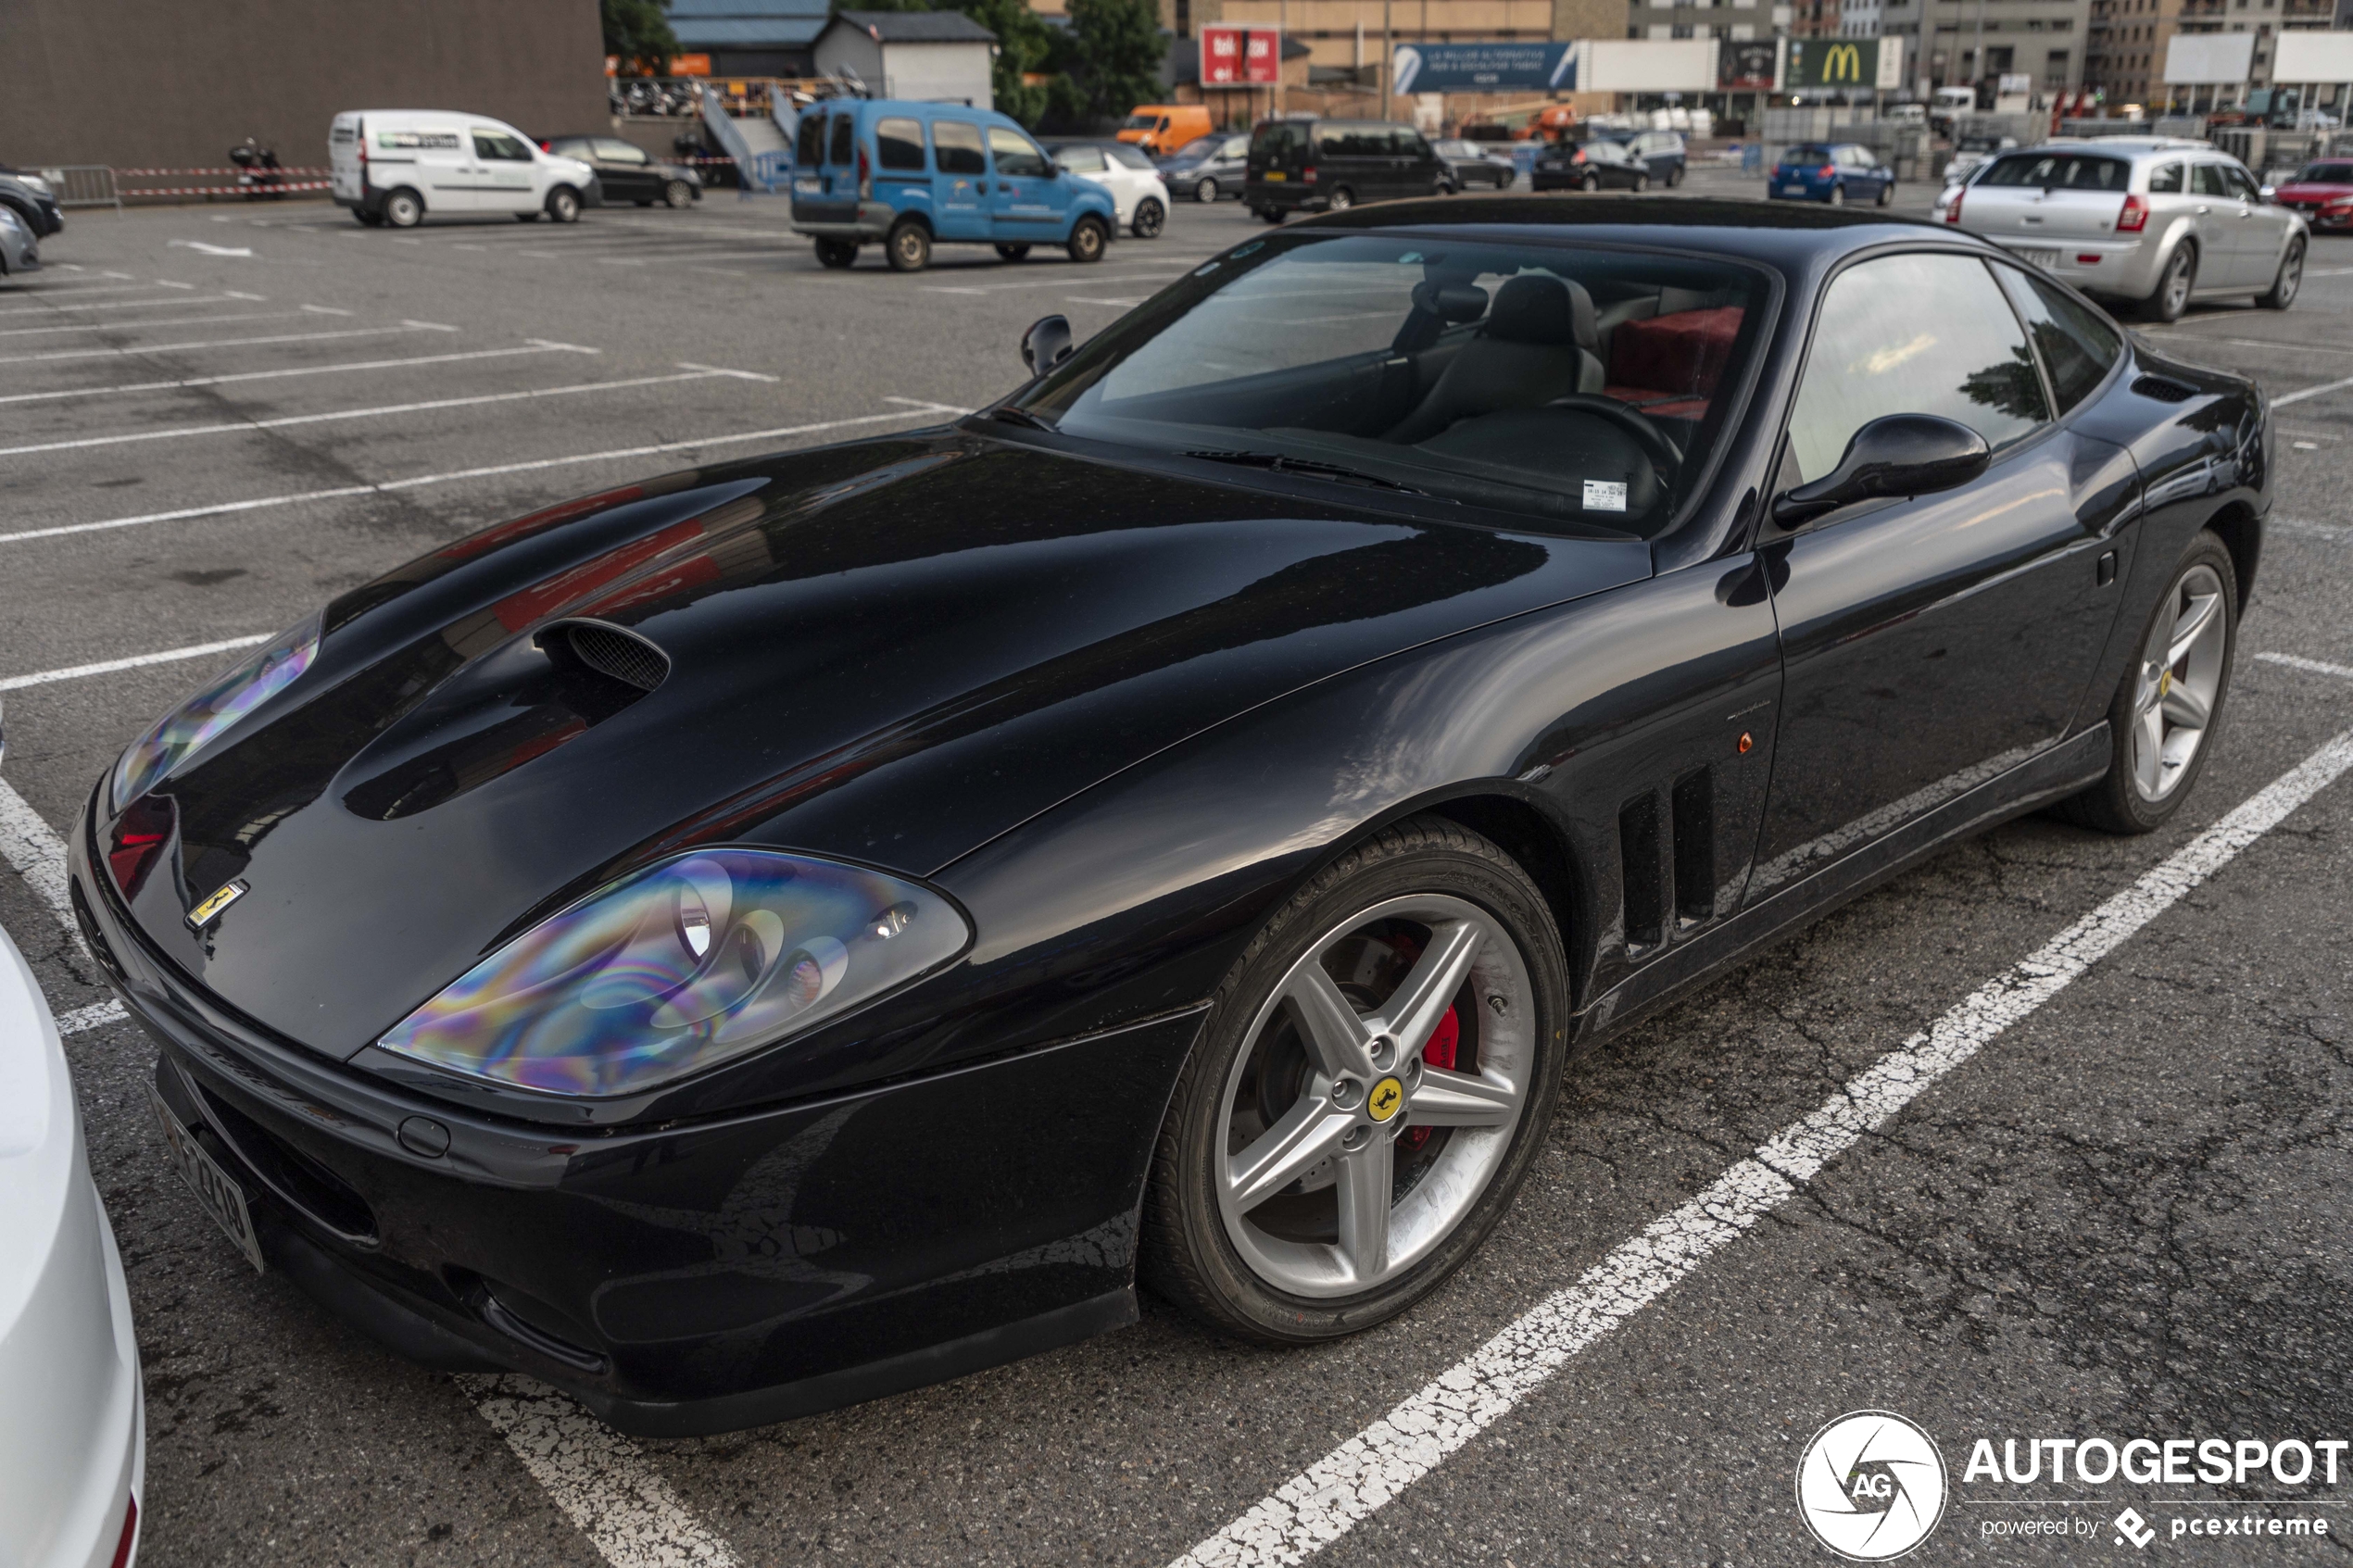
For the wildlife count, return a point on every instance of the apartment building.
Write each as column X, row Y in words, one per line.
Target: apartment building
column 1963, row 41
column 2126, row 39
column 1348, row 33
column 1729, row 19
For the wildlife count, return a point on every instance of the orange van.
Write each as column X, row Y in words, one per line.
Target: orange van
column 1161, row 129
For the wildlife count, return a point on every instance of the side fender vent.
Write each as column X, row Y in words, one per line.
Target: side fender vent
column 610, row 650
column 2163, row 389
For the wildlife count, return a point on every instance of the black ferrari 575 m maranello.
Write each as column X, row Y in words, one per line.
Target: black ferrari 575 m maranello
column 797, row 929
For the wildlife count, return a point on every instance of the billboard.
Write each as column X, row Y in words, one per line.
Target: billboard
column 1647, row 65
column 1873, row 64
column 2215, row 59
column 1482, row 67
column 1749, row 65
column 1240, row 56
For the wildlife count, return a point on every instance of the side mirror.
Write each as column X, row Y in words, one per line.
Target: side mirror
column 1899, row 455
column 2270, row 192
column 1047, row 344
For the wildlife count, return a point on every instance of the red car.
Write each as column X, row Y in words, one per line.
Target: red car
column 2323, row 193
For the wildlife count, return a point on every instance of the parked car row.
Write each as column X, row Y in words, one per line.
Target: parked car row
column 29, row 197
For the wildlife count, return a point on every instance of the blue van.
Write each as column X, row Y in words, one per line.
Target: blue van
column 912, row 175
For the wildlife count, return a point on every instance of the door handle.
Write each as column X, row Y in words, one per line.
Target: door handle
column 1004, row 187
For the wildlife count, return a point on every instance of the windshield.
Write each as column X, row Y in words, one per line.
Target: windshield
column 2326, row 174
column 1201, row 147
column 1128, row 154
column 1140, row 122
column 1475, row 372
column 2060, row 171
column 1808, row 153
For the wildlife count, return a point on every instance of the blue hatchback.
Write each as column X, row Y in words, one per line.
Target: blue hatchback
column 912, row 175
column 1833, row 172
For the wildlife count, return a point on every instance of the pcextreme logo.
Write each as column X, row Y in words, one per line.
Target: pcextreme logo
column 1871, row 1486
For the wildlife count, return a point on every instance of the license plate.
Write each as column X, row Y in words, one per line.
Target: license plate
column 2044, row 258
column 1276, row 177
column 1793, row 190
column 809, row 187
column 216, row 1193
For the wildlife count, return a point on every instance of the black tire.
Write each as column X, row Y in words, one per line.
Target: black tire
column 1012, row 252
column 563, row 205
column 1886, row 195
column 1675, row 176
column 2291, row 278
column 1838, row 196
column 1205, row 191
column 836, row 255
column 908, row 246
column 2173, row 286
column 1642, row 182
column 1089, row 237
column 1187, row 1255
column 2113, row 805
column 1341, row 200
column 404, row 208
column 1150, row 219
column 1270, row 215
column 678, row 194
column 1591, row 182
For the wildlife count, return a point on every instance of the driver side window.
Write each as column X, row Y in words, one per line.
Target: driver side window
column 1912, row 334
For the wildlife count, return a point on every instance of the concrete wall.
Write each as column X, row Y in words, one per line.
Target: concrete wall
column 142, row 83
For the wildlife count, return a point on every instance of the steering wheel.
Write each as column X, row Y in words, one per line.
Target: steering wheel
column 1655, row 445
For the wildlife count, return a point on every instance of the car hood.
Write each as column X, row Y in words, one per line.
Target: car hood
column 889, row 652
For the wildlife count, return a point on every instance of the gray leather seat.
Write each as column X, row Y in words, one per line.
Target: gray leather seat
column 1539, row 341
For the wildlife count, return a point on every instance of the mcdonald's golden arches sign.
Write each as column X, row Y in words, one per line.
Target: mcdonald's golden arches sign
column 1873, row 64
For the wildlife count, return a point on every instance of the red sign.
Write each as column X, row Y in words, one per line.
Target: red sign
column 1240, row 56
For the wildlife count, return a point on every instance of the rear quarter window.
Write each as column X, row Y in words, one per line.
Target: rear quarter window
column 2164, row 180
column 899, row 144
column 2060, row 171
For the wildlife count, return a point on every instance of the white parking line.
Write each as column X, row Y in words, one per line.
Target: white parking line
column 38, row 854
column 91, row 1016
column 1371, row 1469
column 600, row 1479
column 148, row 326
column 2309, row 666
column 1160, row 274
column 386, row 412
column 2312, row 529
column 2255, row 342
column 129, row 303
column 917, row 408
column 536, row 346
column 208, row 342
column 1082, row 300
column 2283, row 401
column 84, row 291
column 135, row 661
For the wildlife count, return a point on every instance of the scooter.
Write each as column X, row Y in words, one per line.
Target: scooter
column 257, row 175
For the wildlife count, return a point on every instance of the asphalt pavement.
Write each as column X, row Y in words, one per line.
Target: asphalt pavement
column 2122, row 1212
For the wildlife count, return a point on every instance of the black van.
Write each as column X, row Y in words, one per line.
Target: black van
column 1325, row 165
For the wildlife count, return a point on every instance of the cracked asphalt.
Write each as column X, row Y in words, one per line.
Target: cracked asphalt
column 2127, row 1216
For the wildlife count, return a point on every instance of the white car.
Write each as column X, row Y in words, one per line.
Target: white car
column 1139, row 194
column 395, row 166
column 73, row 1431
column 1973, row 153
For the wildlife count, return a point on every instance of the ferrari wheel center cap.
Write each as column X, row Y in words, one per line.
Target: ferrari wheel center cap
column 1388, row 1095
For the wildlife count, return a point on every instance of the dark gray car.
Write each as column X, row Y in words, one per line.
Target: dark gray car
column 1470, row 166
column 18, row 253
column 29, row 196
column 629, row 173
column 1208, row 169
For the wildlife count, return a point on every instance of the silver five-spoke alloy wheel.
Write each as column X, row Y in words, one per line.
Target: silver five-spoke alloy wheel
column 1377, row 1094
column 2178, row 683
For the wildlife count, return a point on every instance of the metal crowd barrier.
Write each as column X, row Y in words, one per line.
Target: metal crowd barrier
column 83, row 184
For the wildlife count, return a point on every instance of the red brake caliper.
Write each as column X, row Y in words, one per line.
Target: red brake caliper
column 1438, row 1051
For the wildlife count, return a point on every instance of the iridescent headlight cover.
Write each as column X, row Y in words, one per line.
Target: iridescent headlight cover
column 248, row 684
column 678, row 968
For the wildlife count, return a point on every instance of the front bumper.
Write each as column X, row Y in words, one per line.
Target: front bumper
column 2328, row 220
column 689, row 1278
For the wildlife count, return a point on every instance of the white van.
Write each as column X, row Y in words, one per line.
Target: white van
column 395, row 166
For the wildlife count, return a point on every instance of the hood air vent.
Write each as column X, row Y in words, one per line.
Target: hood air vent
column 609, row 651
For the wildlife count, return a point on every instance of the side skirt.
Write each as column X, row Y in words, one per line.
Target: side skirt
column 2071, row 765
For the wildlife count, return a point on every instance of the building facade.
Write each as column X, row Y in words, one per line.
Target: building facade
column 2127, row 40
column 1731, row 21
column 1950, row 42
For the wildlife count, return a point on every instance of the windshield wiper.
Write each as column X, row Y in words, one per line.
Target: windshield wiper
column 1275, row 462
column 1022, row 416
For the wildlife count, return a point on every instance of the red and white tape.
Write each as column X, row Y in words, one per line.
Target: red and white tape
column 228, row 190
column 153, row 173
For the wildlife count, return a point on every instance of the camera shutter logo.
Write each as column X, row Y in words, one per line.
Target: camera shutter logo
column 1871, row 1486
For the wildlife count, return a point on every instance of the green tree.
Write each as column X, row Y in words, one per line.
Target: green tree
column 638, row 32
column 1116, row 49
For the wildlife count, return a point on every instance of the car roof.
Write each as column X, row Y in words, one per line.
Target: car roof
column 1783, row 234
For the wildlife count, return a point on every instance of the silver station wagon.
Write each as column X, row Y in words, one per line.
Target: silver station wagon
column 2154, row 223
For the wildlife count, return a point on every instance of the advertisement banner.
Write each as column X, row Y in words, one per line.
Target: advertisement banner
column 1866, row 63
column 1749, row 65
column 1483, row 68
column 1240, row 56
